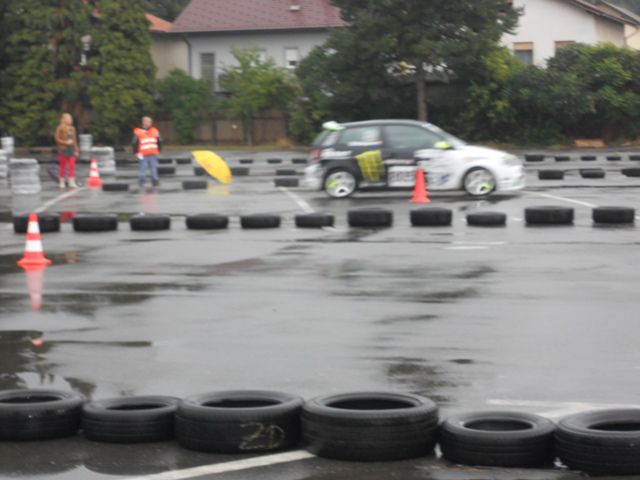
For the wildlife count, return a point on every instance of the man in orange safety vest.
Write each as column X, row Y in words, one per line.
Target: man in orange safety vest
column 147, row 144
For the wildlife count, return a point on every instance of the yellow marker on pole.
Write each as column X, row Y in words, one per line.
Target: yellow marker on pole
column 214, row 165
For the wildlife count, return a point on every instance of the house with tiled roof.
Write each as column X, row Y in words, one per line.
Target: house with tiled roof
column 202, row 37
column 549, row 25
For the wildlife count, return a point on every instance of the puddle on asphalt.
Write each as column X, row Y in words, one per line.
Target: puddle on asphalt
column 406, row 319
column 462, row 361
column 24, row 360
column 418, row 376
column 91, row 297
column 434, row 297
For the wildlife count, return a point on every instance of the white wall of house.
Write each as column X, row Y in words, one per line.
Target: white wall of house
column 169, row 52
column 545, row 22
column 275, row 45
column 632, row 34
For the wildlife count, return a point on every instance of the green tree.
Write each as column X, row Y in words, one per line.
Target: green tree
column 123, row 72
column 186, row 99
column 608, row 80
column 254, row 86
column 27, row 80
column 435, row 38
column 167, row 9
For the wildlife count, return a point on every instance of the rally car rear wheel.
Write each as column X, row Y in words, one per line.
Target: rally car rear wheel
column 479, row 182
column 340, row 183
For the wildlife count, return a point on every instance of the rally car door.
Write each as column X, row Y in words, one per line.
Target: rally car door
column 406, row 148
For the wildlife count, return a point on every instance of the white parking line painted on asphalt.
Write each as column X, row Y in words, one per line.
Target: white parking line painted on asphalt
column 59, row 198
column 469, row 247
column 227, row 467
column 302, row 203
column 557, row 406
column 563, row 199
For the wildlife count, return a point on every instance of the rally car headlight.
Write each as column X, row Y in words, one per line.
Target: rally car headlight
column 511, row 161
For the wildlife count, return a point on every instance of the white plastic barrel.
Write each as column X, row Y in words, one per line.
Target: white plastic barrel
column 106, row 158
column 24, row 175
column 8, row 145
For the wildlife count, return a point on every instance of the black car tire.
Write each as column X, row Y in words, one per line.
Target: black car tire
column 431, row 217
column 614, row 215
column 299, row 161
column 563, row 158
column 195, row 185
column 588, row 158
column 534, row 157
column 48, row 223
column 551, row 174
column 370, row 218
column 148, row 223
column 130, row 419
column 592, row 173
column 35, row 414
column 184, row 161
column 631, row 172
column 164, row 170
column 498, row 439
column 95, row 223
column 549, row 215
column 487, row 219
column 614, row 158
column 199, row 171
column 239, row 422
column 634, row 157
column 370, row 426
column 207, row 221
column 240, row 171
column 601, row 442
column 165, row 161
column 274, row 161
column 260, row 221
column 286, row 182
column 245, row 161
column 115, row 187
column 286, row 172
column 315, row 220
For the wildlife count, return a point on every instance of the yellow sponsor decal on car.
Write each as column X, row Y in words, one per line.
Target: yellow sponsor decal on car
column 371, row 165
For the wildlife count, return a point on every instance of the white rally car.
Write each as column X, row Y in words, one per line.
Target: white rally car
column 385, row 154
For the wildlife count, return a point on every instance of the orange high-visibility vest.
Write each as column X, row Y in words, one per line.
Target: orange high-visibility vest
column 147, row 141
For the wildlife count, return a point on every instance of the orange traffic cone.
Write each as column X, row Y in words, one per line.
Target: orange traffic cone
column 35, row 285
column 94, row 176
column 420, row 194
column 33, row 252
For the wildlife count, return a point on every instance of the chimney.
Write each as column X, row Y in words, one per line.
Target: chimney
column 295, row 6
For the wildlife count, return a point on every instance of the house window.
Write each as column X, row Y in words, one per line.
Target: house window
column 262, row 55
column 524, row 51
column 564, row 44
column 208, row 69
column 291, row 58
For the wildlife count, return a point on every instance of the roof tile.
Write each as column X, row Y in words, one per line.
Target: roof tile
column 246, row 15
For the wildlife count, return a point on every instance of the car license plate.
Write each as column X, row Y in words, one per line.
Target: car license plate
column 402, row 176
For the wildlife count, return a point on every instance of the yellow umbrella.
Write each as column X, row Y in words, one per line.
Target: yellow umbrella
column 214, row 165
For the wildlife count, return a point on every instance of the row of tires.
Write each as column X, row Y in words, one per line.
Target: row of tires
column 363, row 426
column 203, row 184
column 585, row 158
column 363, row 218
column 551, row 174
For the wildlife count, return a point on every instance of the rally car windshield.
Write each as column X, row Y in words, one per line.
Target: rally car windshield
column 451, row 139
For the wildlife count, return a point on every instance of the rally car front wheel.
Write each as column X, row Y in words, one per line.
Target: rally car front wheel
column 479, row 182
column 340, row 183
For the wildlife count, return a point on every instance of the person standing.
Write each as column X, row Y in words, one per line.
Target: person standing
column 67, row 142
column 147, row 144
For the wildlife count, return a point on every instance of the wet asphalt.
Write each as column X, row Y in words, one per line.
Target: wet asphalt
column 541, row 319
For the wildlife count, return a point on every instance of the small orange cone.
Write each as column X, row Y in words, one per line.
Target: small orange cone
column 33, row 252
column 94, row 176
column 420, row 194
